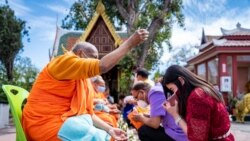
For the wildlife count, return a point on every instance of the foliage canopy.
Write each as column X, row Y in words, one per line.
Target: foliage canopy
column 11, row 32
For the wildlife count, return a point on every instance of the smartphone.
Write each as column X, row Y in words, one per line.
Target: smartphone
column 172, row 99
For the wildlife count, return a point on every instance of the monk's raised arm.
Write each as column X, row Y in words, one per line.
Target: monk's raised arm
column 111, row 59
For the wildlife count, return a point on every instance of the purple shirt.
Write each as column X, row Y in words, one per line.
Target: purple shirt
column 156, row 99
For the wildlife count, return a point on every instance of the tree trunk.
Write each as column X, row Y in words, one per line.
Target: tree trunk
column 9, row 70
column 131, row 15
column 154, row 27
column 128, row 14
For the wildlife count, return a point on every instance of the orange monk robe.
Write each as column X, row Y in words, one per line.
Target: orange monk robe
column 108, row 118
column 60, row 91
column 103, row 97
column 138, row 110
column 100, row 96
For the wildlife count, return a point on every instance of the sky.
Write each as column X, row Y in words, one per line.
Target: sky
column 42, row 15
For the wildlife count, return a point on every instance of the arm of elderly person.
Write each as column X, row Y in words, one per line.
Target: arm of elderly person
column 109, row 60
column 116, row 133
column 153, row 122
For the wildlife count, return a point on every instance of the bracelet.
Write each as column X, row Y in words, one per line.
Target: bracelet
column 178, row 120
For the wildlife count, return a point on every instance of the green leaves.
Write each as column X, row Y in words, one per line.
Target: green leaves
column 11, row 32
column 24, row 74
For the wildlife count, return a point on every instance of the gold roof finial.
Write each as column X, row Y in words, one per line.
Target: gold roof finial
column 100, row 7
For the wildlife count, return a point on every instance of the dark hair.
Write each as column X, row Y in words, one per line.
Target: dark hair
column 191, row 81
column 141, row 86
column 121, row 97
column 142, row 72
column 247, row 86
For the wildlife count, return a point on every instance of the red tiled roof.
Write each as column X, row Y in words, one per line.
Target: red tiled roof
column 70, row 42
column 240, row 33
column 238, row 43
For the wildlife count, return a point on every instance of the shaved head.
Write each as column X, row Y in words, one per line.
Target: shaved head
column 88, row 50
column 97, row 79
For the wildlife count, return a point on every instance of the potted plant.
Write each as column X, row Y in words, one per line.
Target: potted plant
column 232, row 104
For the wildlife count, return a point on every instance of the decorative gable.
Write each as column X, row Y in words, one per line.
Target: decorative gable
column 101, row 37
column 100, row 32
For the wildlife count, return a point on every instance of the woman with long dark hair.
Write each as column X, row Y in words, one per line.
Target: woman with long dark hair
column 199, row 109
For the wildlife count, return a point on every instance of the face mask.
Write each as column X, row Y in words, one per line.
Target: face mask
column 101, row 89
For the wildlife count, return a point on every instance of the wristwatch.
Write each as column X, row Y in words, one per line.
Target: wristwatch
column 177, row 120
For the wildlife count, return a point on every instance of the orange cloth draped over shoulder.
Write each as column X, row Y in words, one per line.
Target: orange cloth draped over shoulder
column 108, row 118
column 60, row 91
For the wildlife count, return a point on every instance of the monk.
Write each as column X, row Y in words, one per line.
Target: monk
column 60, row 103
column 102, row 97
column 102, row 109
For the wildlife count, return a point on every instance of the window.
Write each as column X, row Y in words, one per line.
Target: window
column 243, row 58
column 201, row 70
column 229, row 70
column 213, row 71
column 243, row 69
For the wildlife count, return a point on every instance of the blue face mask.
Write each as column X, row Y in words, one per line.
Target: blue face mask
column 101, row 89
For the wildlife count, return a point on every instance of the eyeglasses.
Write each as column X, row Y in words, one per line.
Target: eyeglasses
column 137, row 94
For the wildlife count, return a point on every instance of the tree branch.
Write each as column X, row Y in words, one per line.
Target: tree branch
column 154, row 27
column 166, row 7
column 128, row 15
column 122, row 10
column 143, row 7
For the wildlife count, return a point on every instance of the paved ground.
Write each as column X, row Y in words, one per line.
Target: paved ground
column 240, row 131
column 8, row 134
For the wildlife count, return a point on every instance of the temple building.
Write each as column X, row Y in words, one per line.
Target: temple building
column 224, row 60
column 100, row 32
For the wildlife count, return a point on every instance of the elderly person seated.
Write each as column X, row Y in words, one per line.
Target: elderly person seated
column 243, row 106
column 101, row 103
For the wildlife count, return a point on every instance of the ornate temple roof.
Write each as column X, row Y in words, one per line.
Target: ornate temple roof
column 232, row 43
column 203, row 37
column 61, row 39
column 231, row 38
column 238, row 31
column 100, row 12
column 67, row 38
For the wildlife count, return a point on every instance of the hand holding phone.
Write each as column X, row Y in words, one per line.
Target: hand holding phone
column 172, row 99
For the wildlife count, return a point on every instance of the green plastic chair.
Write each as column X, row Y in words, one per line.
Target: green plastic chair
column 16, row 97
